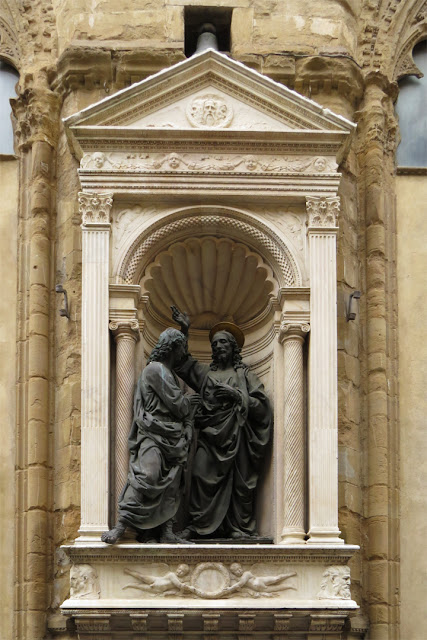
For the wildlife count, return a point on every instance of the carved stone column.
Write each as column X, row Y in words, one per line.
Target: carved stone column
column 376, row 132
column 292, row 335
column 37, row 120
column 322, row 383
column 126, row 334
column 95, row 209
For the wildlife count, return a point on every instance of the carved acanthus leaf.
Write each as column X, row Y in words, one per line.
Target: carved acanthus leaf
column 37, row 114
column 323, row 212
column 95, row 208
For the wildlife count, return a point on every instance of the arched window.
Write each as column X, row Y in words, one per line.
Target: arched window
column 8, row 79
column 411, row 108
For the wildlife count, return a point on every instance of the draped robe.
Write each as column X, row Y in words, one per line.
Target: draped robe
column 231, row 444
column 158, row 449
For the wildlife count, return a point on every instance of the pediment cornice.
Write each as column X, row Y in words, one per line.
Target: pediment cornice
column 168, row 106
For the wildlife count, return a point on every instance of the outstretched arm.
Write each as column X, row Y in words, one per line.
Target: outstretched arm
column 139, row 576
column 181, row 318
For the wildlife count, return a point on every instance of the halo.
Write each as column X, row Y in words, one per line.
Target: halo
column 232, row 328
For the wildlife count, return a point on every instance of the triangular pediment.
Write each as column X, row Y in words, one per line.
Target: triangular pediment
column 208, row 92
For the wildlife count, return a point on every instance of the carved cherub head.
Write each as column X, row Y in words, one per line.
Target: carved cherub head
column 236, row 569
column 174, row 160
column 320, row 164
column 183, row 570
column 98, row 159
column 251, row 163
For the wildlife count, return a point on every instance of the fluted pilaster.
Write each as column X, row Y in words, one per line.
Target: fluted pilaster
column 292, row 335
column 95, row 210
column 323, row 392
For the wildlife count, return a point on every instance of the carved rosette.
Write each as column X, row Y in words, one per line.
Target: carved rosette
column 95, row 208
column 323, row 212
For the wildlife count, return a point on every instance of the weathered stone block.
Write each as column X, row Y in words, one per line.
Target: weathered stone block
column 37, row 531
column 38, row 357
column 38, row 489
column 37, row 438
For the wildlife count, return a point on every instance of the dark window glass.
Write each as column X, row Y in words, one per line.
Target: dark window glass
column 411, row 108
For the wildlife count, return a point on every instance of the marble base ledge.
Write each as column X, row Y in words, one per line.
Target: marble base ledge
column 153, row 590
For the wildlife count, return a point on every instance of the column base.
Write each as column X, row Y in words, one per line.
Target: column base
column 293, row 536
column 91, row 535
column 324, row 536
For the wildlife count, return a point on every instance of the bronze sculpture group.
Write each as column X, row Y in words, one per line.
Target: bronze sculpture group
column 232, row 415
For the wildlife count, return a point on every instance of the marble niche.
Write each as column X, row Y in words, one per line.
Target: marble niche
column 213, row 188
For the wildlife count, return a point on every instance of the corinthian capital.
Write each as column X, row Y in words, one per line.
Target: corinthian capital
column 36, row 110
column 292, row 329
column 95, row 208
column 323, row 212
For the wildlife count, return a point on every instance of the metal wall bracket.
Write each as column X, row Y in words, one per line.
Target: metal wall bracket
column 65, row 311
column 350, row 314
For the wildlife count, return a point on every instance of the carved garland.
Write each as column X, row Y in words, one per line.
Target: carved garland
column 207, row 224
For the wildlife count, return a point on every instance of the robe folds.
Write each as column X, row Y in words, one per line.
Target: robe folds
column 158, row 447
column 231, row 444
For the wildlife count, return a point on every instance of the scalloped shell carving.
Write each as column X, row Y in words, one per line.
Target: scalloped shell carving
column 212, row 279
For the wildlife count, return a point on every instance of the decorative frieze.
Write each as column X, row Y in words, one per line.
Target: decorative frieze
column 207, row 163
column 211, row 580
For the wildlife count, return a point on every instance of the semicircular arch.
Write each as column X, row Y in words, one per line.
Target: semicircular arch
column 211, row 221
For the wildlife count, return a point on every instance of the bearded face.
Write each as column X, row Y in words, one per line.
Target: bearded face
column 222, row 349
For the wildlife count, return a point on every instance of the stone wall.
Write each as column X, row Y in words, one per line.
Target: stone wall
column 411, row 193
column 345, row 55
column 8, row 373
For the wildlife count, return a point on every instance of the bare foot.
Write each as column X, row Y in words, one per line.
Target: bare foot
column 111, row 537
column 167, row 536
column 239, row 534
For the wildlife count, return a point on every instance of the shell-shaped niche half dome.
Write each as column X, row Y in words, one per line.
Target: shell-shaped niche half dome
column 212, row 279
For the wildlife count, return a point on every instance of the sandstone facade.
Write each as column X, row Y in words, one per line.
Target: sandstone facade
column 347, row 56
